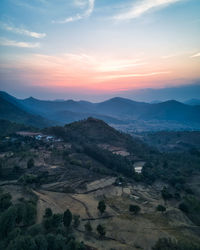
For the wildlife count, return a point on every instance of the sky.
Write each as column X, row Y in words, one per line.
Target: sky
column 96, row 49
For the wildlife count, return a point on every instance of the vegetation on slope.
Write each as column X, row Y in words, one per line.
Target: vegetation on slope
column 19, row 230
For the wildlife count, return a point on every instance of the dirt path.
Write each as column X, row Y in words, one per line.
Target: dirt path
column 84, row 205
column 44, row 202
column 59, row 202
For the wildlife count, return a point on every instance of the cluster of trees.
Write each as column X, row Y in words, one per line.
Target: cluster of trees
column 18, row 230
column 173, row 168
column 100, row 229
column 191, row 207
column 9, row 128
column 112, row 161
column 169, row 244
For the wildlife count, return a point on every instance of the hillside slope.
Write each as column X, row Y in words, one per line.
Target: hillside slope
column 12, row 112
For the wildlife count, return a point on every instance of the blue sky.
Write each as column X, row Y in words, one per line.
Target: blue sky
column 79, row 48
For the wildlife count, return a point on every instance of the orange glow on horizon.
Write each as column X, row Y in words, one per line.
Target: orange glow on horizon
column 98, row 73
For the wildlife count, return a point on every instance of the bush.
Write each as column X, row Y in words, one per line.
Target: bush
column 183, row 207
column 166, row 194
column 8, row 221
column 67, row 218
column 23, row 243
column 168, row 244
column 161, row 208
column 28, row 179
column 134, row 208
column 76, row 219
column 101, row 230
column 88, row 227
column 48, row 213
column 5, row 201
column 35, row 230
column 30, row 163
column 41, row 242
column 101, row 206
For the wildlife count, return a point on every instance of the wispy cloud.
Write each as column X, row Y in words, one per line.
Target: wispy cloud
column 21, row 31
column 119, row 65
column 7, row 42
column 196, row 55
column 78, row 17
column 110, row 77
column 142, row 7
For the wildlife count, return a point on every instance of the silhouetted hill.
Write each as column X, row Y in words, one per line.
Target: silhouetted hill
column 121, row 106
column 172, row 111
column 114, row 111
column 193, row 102
column 94, row 132
column 11, row 110
column 46, row 107
column 91, row 129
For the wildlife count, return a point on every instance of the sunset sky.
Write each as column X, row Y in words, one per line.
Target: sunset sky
column 90, row 48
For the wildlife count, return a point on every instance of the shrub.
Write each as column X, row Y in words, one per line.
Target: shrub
column 161, row 208
column 67, row 218
column 101, row 230
column 134, row 208
column 101, row 206
column 30, row 163
column 48, row 213
column 88, row 227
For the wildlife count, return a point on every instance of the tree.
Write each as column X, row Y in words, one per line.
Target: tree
column 76, row 220
column 35, row 230
column 166, row 194
column 30, row 163
column 67, row 218
column 47, row 223
column 16, row 169
column 161, row 208
column 41, row 242
column 1, row 168
column 23, row 243
column 30, row 215
column 101, row 206
column 51, row 238
column 183, row 207
column 8, row 221
column 48, row 213
column 101, row 230
column 134, row 208
column 5, row 201
column 88, row 227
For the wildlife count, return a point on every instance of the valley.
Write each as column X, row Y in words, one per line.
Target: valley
column 79, row 167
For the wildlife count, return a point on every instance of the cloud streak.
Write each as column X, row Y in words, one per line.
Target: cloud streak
column 12, row 43
column 196, row 55
column 78, row 17
column 21, row 31
column 110, row 77
column 142, row 7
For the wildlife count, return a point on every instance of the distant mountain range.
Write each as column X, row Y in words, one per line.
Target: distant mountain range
column 116, row 111
column 193, row 102
column 11, row 109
